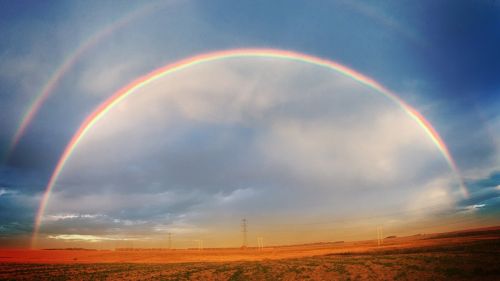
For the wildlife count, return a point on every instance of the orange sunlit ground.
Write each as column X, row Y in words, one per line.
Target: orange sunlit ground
column 439, row 256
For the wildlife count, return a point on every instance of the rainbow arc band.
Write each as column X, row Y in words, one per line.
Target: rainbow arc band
column 70, row 61
column 142, row 81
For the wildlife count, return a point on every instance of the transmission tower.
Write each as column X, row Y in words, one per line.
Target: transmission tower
column 244, row 232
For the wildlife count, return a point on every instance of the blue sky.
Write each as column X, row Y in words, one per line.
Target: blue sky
column 438, row 56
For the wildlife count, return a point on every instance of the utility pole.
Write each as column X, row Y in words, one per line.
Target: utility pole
column 260, row 243
column 169, row 240
column 380, row 235
column 244, row 232
column 200, row 244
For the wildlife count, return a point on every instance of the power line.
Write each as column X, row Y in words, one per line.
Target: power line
column 436, row 207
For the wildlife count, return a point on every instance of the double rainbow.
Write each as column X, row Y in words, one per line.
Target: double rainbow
column 131, row 88
column 68, row 63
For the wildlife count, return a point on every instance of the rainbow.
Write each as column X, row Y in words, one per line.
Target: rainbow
column 67, row 65
column 139, row 83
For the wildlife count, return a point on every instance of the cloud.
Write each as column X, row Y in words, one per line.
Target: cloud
column 16, row 212
column 58, row 217
column 87, row 238
column 236, row 195
column 5, row 192
column 436, row 196
column 328, row 152
column 107, row 75
column 197, row 150
column 483, row 191
column 178, row 228
column 262, row 138
column 128, row 205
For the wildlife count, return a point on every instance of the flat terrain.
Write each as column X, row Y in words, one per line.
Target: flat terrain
column 465, row 255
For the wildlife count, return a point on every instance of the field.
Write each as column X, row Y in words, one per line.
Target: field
column 465, row 255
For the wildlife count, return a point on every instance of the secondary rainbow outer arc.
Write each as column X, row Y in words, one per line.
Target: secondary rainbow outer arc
column 67, row 64
column 126, row 91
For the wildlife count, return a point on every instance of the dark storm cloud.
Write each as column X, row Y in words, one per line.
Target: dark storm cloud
column 492, row 181
column 19, row 198
column 128, row 205
column 484, row 191
column 16, row 212
column 26, row 181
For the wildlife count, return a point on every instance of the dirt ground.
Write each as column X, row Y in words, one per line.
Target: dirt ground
column 467, row 255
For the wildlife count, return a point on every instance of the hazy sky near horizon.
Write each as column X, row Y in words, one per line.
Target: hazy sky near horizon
column 288, row 145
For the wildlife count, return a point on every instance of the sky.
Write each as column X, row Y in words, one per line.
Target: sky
column 303, row 152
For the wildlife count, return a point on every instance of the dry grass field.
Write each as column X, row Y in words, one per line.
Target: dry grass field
column 465, row 255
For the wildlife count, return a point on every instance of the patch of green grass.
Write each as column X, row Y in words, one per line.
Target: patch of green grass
column 452, row 271
column 237, row 275
column 261, row 268
column 414, row 267
column 386, row 264
column 402, row 275
column 339, row 268
column 221, row 268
